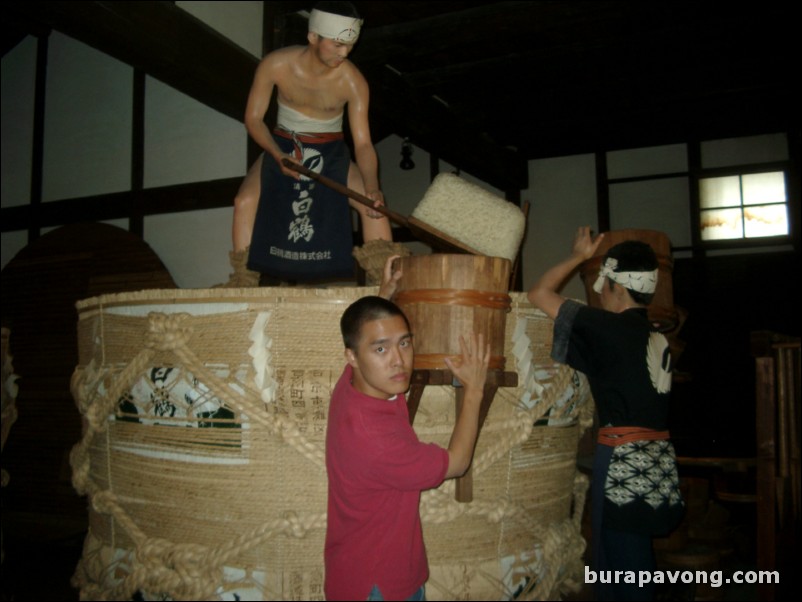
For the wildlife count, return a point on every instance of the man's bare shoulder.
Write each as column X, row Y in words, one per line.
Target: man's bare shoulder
column 352, row 77
column 283, row 56
column 353, row 71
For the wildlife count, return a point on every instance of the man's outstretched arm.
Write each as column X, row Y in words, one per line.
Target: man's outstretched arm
column 545, row 292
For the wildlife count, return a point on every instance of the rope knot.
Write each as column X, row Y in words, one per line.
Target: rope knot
column 295, row 527
column 502, row 508
column 103, row 502
column 167, row 332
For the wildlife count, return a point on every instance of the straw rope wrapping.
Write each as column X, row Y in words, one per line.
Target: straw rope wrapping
column 438, row 505
column 561, row 542
column 182, row 571
column 563, row 545
column 195, row 571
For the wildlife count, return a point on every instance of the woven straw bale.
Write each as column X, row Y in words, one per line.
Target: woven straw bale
column 472, row 215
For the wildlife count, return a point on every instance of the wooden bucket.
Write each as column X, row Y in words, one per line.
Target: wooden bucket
column 445, row 296
column 661, row 310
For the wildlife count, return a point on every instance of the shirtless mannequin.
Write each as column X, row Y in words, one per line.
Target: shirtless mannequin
column 318, row 82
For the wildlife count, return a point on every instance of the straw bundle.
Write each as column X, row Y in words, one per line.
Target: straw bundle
column 472, row 215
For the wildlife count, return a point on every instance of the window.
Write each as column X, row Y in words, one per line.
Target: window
column 743, row 206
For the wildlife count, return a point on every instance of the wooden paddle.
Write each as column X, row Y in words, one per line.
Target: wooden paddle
column 437, row 239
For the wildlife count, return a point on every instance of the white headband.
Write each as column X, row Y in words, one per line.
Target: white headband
column 335, row 27
column 641, row 282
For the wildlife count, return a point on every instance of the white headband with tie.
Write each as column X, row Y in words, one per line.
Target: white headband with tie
column 335, row 27
column 641, row 282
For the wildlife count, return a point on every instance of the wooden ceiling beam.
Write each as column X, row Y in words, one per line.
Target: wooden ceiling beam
column 435, row 127
column 211, row 194
column 482, row 27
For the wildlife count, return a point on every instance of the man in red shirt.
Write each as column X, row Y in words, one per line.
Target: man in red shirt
column 375, row 463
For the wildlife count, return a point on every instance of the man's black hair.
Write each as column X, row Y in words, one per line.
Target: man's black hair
column 634, row 256
column 364, row 310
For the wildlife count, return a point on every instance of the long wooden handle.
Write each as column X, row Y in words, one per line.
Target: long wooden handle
column 349, row 192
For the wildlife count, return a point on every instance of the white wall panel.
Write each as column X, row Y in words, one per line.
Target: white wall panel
column 88, row 113
column 653, row 205
column 186, row 141
column 562, row 193
column 18, row 89
column 240, row 22
column 193, row 245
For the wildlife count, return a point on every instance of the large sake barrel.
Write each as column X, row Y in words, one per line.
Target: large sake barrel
column 661, row 310
column 204, row 452
column 445, row 296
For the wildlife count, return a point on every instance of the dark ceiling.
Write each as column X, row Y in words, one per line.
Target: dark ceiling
column 487, row 86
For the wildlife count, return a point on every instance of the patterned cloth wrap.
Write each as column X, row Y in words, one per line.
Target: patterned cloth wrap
column 641, row 488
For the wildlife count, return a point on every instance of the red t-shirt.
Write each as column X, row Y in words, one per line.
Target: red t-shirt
column 377, row 469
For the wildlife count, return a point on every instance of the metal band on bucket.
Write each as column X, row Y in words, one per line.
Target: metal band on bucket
column 466, row 298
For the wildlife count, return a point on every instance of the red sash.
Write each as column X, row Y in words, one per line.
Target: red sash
column 613, row 436
column 321, row 138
